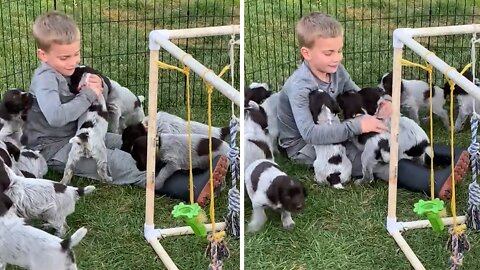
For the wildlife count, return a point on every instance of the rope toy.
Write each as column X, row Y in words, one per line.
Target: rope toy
column 473, row 210
column 233, row 217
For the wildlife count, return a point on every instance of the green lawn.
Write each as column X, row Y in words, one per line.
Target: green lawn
column 115, row 41
column 346, row 229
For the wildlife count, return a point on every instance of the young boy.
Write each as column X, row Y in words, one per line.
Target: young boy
column 52, row 120
column 320, row 39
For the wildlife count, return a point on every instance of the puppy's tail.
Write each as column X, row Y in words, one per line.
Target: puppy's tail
column 81, row 191
column 70, row 242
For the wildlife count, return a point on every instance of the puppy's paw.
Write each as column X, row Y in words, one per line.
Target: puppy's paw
column 338, row 186
column 288, row 224
column 254, row 227
column 361, row 181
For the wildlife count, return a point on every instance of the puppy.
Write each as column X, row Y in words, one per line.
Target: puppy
column 31, row 248
column 413, row 141
column 172, row 151
column 89, row 141
column 255, row 136
column 40, row 198
column 13, row 113
column 10, row 155
column 466, row 102
column 31, row 163
column 260, row 93
column 332, row 166
column 172, row 124
column 268, row 186
column 415, row 95
column 124, row 107
column 257, row 92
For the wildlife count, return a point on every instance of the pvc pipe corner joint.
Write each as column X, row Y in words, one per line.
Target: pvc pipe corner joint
column 149, row 232
column 392, row 225
column 397, row 43
column 156, row 35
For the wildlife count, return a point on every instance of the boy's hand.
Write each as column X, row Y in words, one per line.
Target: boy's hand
column 385, row 110
column 95, row 83
column 370, row 123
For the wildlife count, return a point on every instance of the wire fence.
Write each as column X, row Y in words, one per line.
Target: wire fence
column 271, row 50
column 115, row 41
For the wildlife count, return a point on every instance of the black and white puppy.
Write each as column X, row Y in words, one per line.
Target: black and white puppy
column 331, row 165
column 255, row 136
column 260, row 93
column 172, row 124
column 413, row 141
column 31, row 163
column 415, row 95
column 269, row 187
column 40, row 198
column 257, row 92
column 466, row 102
column 89, row 141
column 31, row 248
column 13, row 112
column 173, row 152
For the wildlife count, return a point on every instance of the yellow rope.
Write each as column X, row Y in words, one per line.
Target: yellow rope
column 186, row 71
column 209, row 88
column 429, row 69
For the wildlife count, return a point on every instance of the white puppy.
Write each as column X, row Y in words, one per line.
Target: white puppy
column 331, row 165
column 268, row 186
column 31, row 248
column 255, row 136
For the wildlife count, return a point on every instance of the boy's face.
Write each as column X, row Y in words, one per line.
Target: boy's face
column 325, row 55
column 62, row 57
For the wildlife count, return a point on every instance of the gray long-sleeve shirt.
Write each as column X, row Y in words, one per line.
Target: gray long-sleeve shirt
column 52, row 120
column 295, row 122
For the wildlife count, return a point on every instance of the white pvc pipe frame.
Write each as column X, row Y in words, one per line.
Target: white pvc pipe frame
column 401, row 37
column 160, row 39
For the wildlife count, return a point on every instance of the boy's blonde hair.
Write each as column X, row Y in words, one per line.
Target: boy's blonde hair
column 314, row 25
column 55, row 28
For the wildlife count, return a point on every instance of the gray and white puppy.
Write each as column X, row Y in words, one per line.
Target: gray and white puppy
column 89, row 141
column 31, row 248
column 124, row 107
column 269, row 187
column 172, row 124
column 40, row 198
column 31, row 163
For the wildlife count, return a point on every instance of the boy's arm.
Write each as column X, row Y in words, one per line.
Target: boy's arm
column 56, row 113
column 319, row 134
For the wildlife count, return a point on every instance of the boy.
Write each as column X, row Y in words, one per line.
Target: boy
column 52, row 121
column 320, row 39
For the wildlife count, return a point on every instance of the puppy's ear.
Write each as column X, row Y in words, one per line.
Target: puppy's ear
column 275, row 192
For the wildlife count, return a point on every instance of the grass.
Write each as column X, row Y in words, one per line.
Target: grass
column 115, row 41
column 346, row 229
